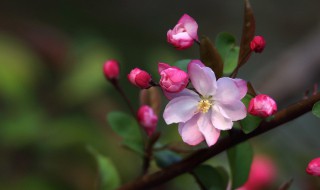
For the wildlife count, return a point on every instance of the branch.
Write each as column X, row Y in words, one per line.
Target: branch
column 236, row 137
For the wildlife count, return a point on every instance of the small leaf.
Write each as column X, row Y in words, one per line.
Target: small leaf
column 251, row 122
column 248, row 32
column 108, row 174
column 211, row 57
column 211, row 178
column 166, row 158
column 182, row 64
column 126, row 127
column 152, row 98
column 226, row 45
column 316, row 109
column 240, row 158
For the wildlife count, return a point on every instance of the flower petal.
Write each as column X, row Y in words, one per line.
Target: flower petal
column 219, row 121
column 184, row 92
column 210, row 133
column 190, row 25
column 180, row 109
column 162, row 66
column 227, row 91
column 235, row 111
column 242, row 87
column 203, row 79
column 190, row 133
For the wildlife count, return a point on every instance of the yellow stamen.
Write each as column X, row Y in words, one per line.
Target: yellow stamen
column 204, row 105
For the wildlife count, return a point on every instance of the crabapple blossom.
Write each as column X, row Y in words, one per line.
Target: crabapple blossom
column 213, row 107
column 111, row 69
column 172, row 79
column 184, row 33
column 314, row 167
column 139, row 78
column 262, row 105
column 257, row 44
column 262, row 174
column 147, row 119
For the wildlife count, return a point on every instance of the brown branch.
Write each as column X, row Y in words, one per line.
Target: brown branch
column 192, row 161
column 149, row 152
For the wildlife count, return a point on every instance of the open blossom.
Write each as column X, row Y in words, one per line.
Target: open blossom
column 214, row 107
column 139, row 78
column 111, row 69
column 262, row 105
column 172, row 79
column 262, row 174
column 148, row 119
column 184, row 33
column 314, row 167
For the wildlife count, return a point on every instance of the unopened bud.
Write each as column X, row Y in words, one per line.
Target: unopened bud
column 262, row 106
column 257, row 44
column 147, row 119
column 172, row 79
column 314, row 167
column 111, row 69
column 139, row 78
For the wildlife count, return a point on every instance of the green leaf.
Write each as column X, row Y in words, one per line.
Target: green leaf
column 211, row 57
column 126, row 127
column 316, row 109
column 166, row 158
column 109, row 177
column 211, row 178
column 226, row 46
column 248, row 32
column 240, row 158
column 251, row 122
column 182, row 64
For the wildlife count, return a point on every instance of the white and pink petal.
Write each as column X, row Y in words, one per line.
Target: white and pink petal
column 180, row 109
column 190, row 133
column 210, row 133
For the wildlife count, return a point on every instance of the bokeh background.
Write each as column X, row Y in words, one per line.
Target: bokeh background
column 54, row 98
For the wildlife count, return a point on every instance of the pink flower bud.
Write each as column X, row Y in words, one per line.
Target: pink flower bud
column 184, row 33
column 148, row 119
column 262, row 173
column 172, row 79
column 257, row 44
column 111, row 69
column 262, row 106
column 139, row 78
column 314, row 167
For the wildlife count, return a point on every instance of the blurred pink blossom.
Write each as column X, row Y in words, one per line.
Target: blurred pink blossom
column 262, row 174
column 147, row 119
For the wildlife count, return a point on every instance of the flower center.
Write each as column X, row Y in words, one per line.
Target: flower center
column 204, row 105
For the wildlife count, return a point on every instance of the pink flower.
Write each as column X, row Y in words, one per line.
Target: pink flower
column 262, row 174
column 257, row 44
column 172, row 79
column 111, row 69
column 148, row 119
column 214, row 107
column 139, row 78
column 262, row 106
column 184, row 33
column 314, row 167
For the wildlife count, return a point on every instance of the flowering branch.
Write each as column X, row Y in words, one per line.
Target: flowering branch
column 236, row 137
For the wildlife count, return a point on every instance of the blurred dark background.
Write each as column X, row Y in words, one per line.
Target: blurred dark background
column 54, row 98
